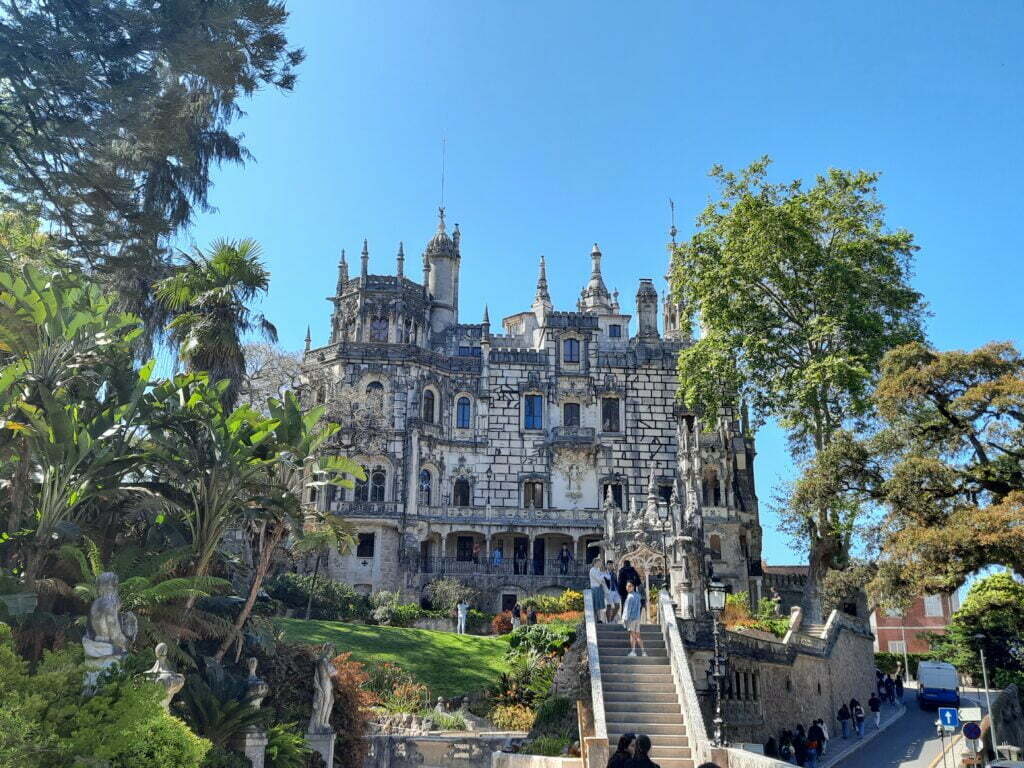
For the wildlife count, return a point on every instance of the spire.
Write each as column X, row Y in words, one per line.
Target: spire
column 487, row 317
column 672, row 230
column 615, row 300
column 595, row 297
column 457, row 239
column 342, row 272
column 401, row 259
column 309, row 339
column 652, row 488
column 542, row 298
column 365, row 259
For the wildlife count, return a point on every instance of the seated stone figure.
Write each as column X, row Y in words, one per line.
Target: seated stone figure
column 110, row 631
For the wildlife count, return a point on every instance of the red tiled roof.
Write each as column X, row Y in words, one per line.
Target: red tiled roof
column 785, row 570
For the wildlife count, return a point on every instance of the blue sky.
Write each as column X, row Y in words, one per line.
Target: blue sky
column 569, row 123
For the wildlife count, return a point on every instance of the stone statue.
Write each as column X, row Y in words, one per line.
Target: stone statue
column 162, row 673
column 110, row 631
column 256, row 687
column 323, row 691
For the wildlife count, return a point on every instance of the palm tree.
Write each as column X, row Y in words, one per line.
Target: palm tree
column 208, row 297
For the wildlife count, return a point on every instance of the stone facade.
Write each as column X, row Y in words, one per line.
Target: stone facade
column 487, row 452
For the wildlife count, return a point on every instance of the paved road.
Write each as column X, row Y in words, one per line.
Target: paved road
column 910, row 742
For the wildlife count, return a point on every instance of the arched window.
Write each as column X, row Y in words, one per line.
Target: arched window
column 463, row 411
column 425, row 482
column 375, row 394
column 461, row 495
column 379, row 329
column 571, row 415
column 428, row 406
column 712, row 488
column 571, row 351
column 715, row 546
column 362, row 490
column 533, row 494
column 377, row 480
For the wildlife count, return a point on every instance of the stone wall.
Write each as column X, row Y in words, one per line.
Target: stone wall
column 775, row 684
column 466, row 750
column 1009, row 718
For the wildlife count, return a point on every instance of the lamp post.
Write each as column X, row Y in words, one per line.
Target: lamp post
column 664, row 515
column 988, row 701
column 716, row 604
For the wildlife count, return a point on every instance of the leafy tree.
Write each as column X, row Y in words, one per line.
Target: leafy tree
column 114, row 111
column 319, row 540
column 70, row 399
column 944, row 467
column 993, row 609
column 800, row 292
column 208, row 297
column 269, row 372
column 298, row 439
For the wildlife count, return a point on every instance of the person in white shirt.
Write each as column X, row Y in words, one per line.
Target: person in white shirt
column 462, row 611
column 597, row 589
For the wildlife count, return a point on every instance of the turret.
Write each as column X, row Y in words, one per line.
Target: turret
column 595, row 297
column 342, row 273
column 542, row 299
column 401, row 260
column 364, row 261
column 442, row 256
column 647, row 309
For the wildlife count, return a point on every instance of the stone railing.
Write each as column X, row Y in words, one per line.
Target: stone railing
column 547, row 568
column 516, row 516
column 366, row 508
column 596, row 747
column 686, row 691
column 576, row 435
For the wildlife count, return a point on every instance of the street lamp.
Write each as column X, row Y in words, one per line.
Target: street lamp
column 664, row 515
column 489, row 474
column 988, row 702
column 716, row 592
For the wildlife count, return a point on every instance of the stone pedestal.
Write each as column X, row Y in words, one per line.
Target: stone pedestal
column 323, row 743
column 253, row 744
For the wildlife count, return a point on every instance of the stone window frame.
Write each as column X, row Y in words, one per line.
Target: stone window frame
column 622, row 415
column 472, row 411
column 620, row 480
column 369, row 543
column 545, row 484
column 579, row 412
column 469, row 491
column 436, row 485
column 522, row 410
column 433, row 390
column 563, row 350
column 716, row 554
column 370, row 465
column 616, row 327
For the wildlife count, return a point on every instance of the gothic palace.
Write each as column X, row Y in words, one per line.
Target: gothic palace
column 487, row 451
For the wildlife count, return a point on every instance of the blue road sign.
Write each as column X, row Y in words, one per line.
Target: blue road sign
column 949, row 717
column 972, row 731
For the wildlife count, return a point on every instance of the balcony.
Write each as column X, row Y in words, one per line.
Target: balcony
column 366, row 508
column 537, row 568
column 573, row 435
column 514, row 516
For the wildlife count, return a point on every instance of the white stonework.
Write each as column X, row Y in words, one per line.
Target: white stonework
column 509, row 441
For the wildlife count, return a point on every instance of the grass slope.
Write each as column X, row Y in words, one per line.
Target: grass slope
column 449, row 664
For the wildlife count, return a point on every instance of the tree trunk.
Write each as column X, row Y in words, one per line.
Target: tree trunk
column 824, row 550
column 312, row 584
column 257, row 584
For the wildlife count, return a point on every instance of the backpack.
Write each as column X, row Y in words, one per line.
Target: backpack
column 858, row 712
column 785, row 751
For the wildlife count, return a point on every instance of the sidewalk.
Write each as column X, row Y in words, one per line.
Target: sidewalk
column 840, row 749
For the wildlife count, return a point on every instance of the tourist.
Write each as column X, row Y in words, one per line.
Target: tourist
column 898, row 687
column 815, row 743
column 824, row 735
column 627, row 573
column 786, row 746
column 890, row 690
column 476, row 553
column 641, row 750
column 875, row 705
column 612, row 583
column 496, row 558
column 564, row 560
column 771, row 747
column 597, row 589
column 858, row 719
column 517, row 616
column 462, row 611
column 800, row 745
column 531, row 616
column 631, row 620
column 776, row 602
column 624, row 752
column 843, row 716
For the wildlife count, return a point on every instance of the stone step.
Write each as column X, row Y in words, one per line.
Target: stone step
column 631, row 717
column 623, row 653
column 642, row 689
column 624, row 694
column 614, row 641
column 663, row 742
column 635, row 661
column 675, row 762
column 639, row 674
column 651, row 729
column 618, row 629
column 623, row 707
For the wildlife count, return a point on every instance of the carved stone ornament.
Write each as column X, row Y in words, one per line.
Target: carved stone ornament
column 162, row 673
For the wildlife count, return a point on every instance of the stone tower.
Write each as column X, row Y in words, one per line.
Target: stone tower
column 442, row 256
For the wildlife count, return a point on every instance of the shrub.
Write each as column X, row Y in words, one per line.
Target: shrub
column 572, row 600
column 445, row 721
column 512, row 717
column 556, row 716
column 501, row 624
column 541, row 638
column 406, row 697
column 479, row 622
column 551, row 746
column 331, row 599
column 405, row 615
column 383, row 678
column 565, row 617
column 445, row 594
column 889, row 662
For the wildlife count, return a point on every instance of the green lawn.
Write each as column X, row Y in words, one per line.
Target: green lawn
column 449, row 664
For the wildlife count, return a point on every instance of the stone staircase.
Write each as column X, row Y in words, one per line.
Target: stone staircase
column 640, row 694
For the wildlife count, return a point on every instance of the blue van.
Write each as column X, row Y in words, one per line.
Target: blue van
column 938, row 685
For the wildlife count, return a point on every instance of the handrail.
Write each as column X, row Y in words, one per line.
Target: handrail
column 700, row 745
column 596, row 688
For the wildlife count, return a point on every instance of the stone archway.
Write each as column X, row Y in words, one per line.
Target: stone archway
column 646, row 561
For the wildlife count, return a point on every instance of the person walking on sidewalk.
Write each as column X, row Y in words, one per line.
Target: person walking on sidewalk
column 858, row 719
column 875, row 705
column 824, row 735
column 815, row 744
column 890, row 689
column 898, row 688
column 631, row 619
column 843, row 716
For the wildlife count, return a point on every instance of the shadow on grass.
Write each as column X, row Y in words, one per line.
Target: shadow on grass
column 449, row 664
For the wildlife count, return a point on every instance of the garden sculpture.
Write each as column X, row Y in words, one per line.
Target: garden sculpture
column 323, row 691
